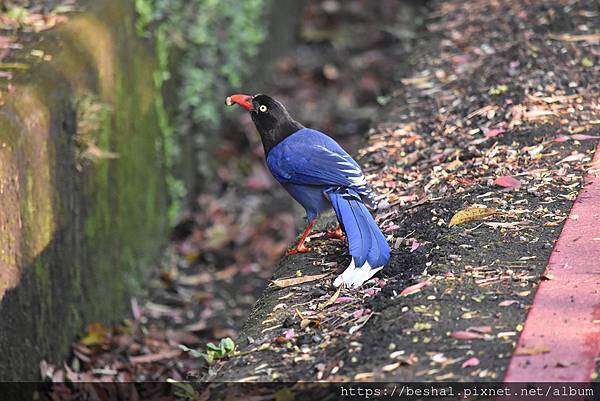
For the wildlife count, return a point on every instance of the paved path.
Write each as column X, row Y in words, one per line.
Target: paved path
column 561, row 339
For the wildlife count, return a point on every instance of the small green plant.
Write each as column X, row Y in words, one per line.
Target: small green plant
column 586, row 62
column 213, row 352
column 207, row 45
column 498, row 89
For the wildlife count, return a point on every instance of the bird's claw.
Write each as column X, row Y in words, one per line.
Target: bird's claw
column 337, row 233
column 298, row 249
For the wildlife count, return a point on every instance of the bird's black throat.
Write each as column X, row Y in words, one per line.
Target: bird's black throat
column 273, row 136
column 275, row 124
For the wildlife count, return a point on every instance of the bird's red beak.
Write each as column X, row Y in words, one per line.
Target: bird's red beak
column 243, row 100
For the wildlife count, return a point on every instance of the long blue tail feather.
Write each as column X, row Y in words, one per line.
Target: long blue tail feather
column 367, row 245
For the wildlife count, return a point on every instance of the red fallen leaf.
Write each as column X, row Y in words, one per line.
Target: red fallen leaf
column 360, row 313
column 413, row 289
column 507, row 182
column 480, row 329
column 577, row 137
column 414, row 245
column 465, row 181
column 381, row 283
column 289, row 334
column 572, row 158
column 466, row 335
column 344, row 299
column 372, row 291
column 470, row 362
column 583, row 137
column 491, row 133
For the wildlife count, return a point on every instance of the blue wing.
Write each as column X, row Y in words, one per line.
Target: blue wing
column 309, row 157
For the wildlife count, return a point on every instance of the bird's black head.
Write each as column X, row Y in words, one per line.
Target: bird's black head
column 270, row 117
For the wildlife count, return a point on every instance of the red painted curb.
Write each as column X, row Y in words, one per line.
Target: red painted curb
column 562, row 330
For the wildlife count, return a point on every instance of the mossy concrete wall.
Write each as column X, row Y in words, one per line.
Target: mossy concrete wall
column 82, row 184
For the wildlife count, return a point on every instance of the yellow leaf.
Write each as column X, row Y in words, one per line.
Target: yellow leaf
column 471, row 214
column 331, row 300
column 97, row 334
column 288, row 282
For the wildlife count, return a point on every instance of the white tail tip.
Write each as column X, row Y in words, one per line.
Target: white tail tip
column 354, row 276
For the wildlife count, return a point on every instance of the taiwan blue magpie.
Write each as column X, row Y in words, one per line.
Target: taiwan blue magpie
column 319, row 174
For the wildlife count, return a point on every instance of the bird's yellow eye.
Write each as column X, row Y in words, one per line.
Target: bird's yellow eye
column 262, row 108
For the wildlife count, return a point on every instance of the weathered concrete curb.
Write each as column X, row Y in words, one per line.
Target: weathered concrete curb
column 82, row 184
column 570, row 345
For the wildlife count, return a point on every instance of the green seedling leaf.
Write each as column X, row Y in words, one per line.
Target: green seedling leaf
column 213, row 352
column 193, row 352
column 498, row 89
column 228, row 345
column 213, row 347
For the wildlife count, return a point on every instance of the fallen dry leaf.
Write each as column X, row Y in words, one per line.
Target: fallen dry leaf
column 466, row 335
column 413, row 289
column 547, row 276
column 391, row 367
column 154, row 357
column 471, row 214
column 288, row 282
column 494, row 132
column 414, row 245
column 331, row 300
column 96, row 334
column 567, row 37
column 507, row 182
column 289, row 334
column 582, row 137
column 577, row 137
column 470, row 362
column 562, row 138
column 573, row 158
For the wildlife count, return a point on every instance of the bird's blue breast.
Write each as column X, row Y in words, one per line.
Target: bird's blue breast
column 308, row 162
column 312, row 198
column 288, row 159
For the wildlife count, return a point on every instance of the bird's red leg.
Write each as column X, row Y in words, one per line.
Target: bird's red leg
column 337, row 233
column 300, row 247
